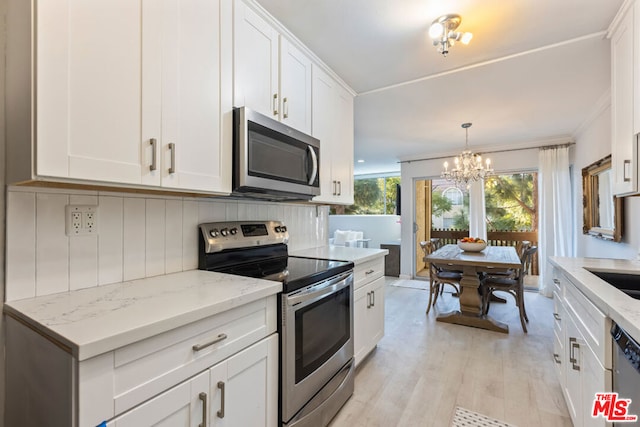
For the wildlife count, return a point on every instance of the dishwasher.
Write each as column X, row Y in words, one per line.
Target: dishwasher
column 626, row 369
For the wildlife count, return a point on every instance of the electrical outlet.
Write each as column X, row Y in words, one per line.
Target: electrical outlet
column 81, row 220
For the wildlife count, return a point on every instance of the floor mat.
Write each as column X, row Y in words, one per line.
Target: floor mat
column 415, row 284
column 466, row 418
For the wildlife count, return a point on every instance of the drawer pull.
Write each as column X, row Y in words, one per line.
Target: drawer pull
column 556, row 316
column 368, row 299
column 369, row 272
column 556, row 357
column 373, row 298
column 556, row 281
column 220, row 413
column 574, row 361
column 172, row 166
column 198, row 347
column 203, row 396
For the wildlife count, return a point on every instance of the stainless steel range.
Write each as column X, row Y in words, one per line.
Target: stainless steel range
column 315, row 317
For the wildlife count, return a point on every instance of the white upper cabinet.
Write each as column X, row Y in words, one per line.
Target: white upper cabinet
column 625, row 98
column 332, row 124
column 195, row 113
column 88, row 84
column 116, row 82
column 271, row 76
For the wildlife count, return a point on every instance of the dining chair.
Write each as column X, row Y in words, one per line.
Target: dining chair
column 439, row 277
column 510, row 272
column 512, row 285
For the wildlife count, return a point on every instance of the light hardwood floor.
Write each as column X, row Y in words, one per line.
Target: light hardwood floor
column 422, row 369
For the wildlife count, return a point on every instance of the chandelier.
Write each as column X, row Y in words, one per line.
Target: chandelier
column 444, row 35
column 467, row 166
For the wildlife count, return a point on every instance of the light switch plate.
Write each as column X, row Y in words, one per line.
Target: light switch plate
column 81, row 220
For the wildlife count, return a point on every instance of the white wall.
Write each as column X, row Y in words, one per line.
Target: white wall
column 378, row 228
column 138, row 236
column 592, row 144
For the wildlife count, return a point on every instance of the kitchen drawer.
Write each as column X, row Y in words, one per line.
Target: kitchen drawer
column 368, row 271
column 592, row 323
column 134, row 373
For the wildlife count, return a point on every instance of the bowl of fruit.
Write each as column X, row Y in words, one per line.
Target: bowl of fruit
column 472, row 244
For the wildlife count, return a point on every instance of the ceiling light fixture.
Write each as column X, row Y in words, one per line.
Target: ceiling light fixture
column 467, row 166
column 444, row 34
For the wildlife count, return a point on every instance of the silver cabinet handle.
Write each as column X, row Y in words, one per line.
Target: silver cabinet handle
column 626, row 168
column 275, row 104
column 172, row 148
column 373, row 298
column 556, row 357
column 339, row 188
column 334, row 188
column 285, row 108
column 203, row 396
column 314, row 171
column 556, row 281
column 368, row 299
column 220, row 337
column 574, row 362
column 220, row 413
column 369, row 272
column 154, row 144
column 556, row 316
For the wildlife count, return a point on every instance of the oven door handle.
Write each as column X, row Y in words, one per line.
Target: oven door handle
column 318, row 291
column 314, row 158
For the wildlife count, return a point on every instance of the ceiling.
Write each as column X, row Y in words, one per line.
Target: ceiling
column 535, row 71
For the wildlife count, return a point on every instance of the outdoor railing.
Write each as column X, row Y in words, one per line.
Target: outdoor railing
column 494, row 238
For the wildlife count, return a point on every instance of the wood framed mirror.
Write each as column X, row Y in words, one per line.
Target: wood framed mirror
column 602, row 210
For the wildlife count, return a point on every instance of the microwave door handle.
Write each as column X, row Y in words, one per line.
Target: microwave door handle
column 314, row 172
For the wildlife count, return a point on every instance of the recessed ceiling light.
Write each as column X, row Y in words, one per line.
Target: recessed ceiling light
column 360, row 161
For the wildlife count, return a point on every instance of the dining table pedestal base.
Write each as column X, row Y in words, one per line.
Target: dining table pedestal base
column 482, row 322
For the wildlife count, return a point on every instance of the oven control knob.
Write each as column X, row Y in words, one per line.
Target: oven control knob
column 233, row 231
column 278, row 229
column 214, row 233
column 283, row 229
column 224, row 232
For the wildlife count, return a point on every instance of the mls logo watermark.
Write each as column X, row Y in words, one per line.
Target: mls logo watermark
column 612, row 408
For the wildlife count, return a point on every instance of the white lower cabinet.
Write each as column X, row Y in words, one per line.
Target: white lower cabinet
column 368, row 307
column 582, row 350
column 240, row 391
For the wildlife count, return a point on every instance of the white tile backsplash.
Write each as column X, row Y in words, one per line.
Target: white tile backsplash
column 138, row 236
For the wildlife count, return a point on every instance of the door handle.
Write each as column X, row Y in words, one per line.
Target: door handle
column 154, row 144
column 172, row 149
column 275, row 104
column 220, row 413
column 625, row 169
column 220, row 337
column 285, row 108
column 203, row 397
column 368, row 299
column 314, row 158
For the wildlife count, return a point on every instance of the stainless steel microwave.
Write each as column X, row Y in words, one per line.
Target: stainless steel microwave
column 272, row 160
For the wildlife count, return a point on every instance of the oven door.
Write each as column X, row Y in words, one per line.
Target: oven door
column 317, row 339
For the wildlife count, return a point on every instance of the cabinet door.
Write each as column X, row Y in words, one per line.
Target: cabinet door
column 295, row 87
column 624, row 147
column 361, row 307
column 595, row 379
column 249, row 383
column 573, row 385
column 193, row 86
column 376, row 315
column 89, row 114
column 255, row 58
column 342, row 155
column 323, row 110
column 178, row 406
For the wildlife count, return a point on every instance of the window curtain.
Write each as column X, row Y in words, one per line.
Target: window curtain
column 477, row 221
column 555, row 230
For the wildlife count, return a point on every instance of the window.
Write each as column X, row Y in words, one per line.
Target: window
column 454, row 195
column 449, row 206
column 372, row 196
column 511, row 202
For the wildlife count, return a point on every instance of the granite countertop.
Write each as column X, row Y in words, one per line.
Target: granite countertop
column 341, row 253
column 615, row 304
column 97, row 320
